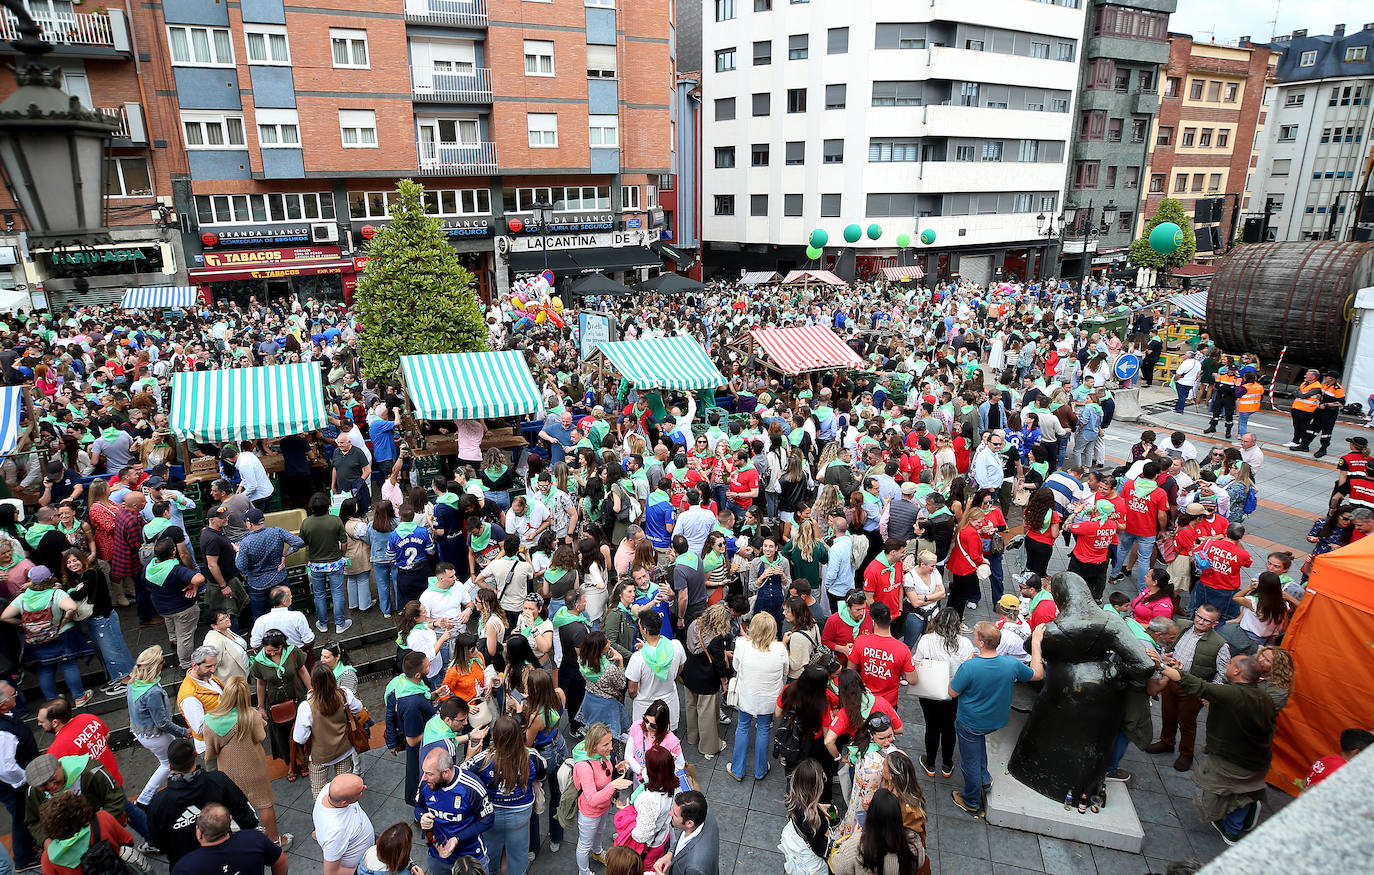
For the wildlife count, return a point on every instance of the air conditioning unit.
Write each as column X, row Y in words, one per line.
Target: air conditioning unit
column 324, row 232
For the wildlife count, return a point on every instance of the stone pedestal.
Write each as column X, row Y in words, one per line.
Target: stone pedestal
column 1127, row 405
column 1016, row 806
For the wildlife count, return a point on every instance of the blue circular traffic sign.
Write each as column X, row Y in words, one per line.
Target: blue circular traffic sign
column 1127, row 366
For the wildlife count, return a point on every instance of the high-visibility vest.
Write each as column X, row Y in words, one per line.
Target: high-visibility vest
column 1333, row 394
column 1362, row 491
column 1227, row 380
column 1306, row 399
column 1355, row 463
column 1250, row 401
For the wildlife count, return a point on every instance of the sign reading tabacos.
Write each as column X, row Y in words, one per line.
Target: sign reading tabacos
column 267, row 257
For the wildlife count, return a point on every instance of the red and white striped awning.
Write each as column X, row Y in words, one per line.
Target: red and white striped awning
column 897, row 274
column 824, row 277
column 806, row 348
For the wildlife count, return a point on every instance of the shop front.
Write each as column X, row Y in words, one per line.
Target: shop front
column 236, row 266
column 96, row 275
column 470, row 237
column 624, row 256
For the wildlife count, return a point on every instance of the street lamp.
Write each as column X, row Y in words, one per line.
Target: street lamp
column 543, row 215
column 1049, row 233
column 52, row 149
column 1079, row 222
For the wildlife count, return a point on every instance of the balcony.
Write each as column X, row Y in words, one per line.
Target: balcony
column 132, row 131
column 453, row 159
column 430, row 85
column 1145, row 102
column 458, row 13
column 86, row 34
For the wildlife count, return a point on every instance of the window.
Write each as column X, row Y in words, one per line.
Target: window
column 1093, row 124
column 1198, row 179
column 1307, row 59
column 1181, row 183
column 1131, row 23
column 899, row 149
column 605, row 4
column 830, row 205
column 603, row 131
column 762, row 103
column 200, row 46
column 798, row 47
column 266, row 44
column 1213, row 92
column 1063, row 51
column 796, row 153
column 1195, row 89
column 538, row 57
column 1171, row 85
column 601, row 62
column 279, row 128
column 1145, row 82
column 1288, row 133
column 758, row 155
column 629, row 196
column 832, row 152
column 725, row 205
column 1295, row 99
column 796, row 100
column 1085, row 174
column 758, row 204
column 973, row 45
column 835, row 96
column 1281, row 166
column 725, row 60
column 1110, row 179
column 837, row 41
column 1214, row 182
column 1021, row 203
column 897, row 93
column 1164, row 135
column 903, row 35
column 725, row 157
column 1204, row 140
column 349, row 47
column 213, row 130
column 1132, row 177
column 791, row 205
column 543, row 129
column 586, row 197
column 1223, row 139
column 965, row 153
column 968, row 93
column 1039, row 50
column 1059, row 104
column 1138, row 128
column 1356, row 54
column 1189, row 137
column 763, row 5
column 1230, row 92
column 725, row 109
column 880, row 205
column 992, row 150
column 127, row 177
column 725, row 10
column 1326, row 135
column 1156, row 183
column 1114, row 127
column 1028, row 150
column 358, row 128
column 1123, row 220
column 763, row 53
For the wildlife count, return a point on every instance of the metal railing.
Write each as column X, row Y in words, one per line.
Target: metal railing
column 441, row 85
column 81, row 29
column 453, row 159
column 118, row 112
column 468, row 13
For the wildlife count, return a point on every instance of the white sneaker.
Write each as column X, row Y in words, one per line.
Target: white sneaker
column 322, row 626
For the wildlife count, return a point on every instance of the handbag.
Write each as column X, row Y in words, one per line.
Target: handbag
column 84, row 610
column 358, row 734
column 283, row 712
column 932, row 679
column 997, row 545
column 732, row 692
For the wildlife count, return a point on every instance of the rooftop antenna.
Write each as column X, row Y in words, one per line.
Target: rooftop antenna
column 1274, row 22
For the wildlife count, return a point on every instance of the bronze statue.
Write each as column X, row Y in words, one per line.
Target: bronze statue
column 1090, row 658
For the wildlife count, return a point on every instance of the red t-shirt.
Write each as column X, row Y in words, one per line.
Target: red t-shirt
column 840, row 725
column 1214, row 525
column 961, row 453
column 109, row 829
column 1142, row 513
column 909, row 466
column 1043, row 612
column 86, row 735
column 1322, row 768
column 886, row 584
column 881, row 660
column 1092, row 540
column 1044, row 537
column 1118, row 516
column 1227, row 560
column 744, row 481
column 1190, row 535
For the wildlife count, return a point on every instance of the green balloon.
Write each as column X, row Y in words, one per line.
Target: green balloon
column 813, row 253
column 903, row 240
column 852, row 233
column 819, row 238
column 875, row 231
column 1166, row 238
column 928, row 236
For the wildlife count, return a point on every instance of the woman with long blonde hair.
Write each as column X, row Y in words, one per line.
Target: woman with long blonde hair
column 150, row 717
column 826, row 505
column 965, row 559
column 234, row 733
column 760, row 664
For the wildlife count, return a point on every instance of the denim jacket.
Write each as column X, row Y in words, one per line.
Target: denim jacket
column 378, row 541
column 151, row 714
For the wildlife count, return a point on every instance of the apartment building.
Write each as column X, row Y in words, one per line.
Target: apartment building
column 1318, row 144
column 1206, row 134
column 943, row 116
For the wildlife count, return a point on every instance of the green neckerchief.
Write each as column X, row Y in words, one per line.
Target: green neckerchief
column 261, row 658
column 657, row 497
column 1142, row 488
column 849, row 620
column 68, row 852
column 402, row 687
column 339, row 668
column 1041, row 468
column 871, row 500
column 222, row 723
column 689, row 560
column 495, row 473
column 34, row 533
column 794, row 437
column 158, row 571
column 447, row 498
column 76, row 527
column 659, row 657
column 553, row 575
column 72, row 769
column 1037, row 599
column 436, row 730
column 565, row 616
column 747, row 466
column 110, row 435
column 593, row 675
column 580, row 755
column 711, row 561
column 403, row 637
column 435, row 587
column 939, row 512
column 481, row 539
column 138, row 688
column 37, row 599
column 155, row 527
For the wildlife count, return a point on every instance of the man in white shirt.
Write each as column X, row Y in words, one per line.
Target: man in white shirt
column 14, row 789
column 291, row 623
column 253, row 480
column 446, row 599
column 697, row 522
column 1250, row 452
column 342, row 828
column 653, row 669
column 988, row 472
column 1179, row 447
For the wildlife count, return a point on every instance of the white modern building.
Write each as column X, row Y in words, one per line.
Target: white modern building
column 1313, row 162
column 949, row 116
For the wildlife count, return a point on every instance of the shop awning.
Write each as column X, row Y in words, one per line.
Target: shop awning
column 572, row 262
column 11, row 406
column 470, row 385
column 824, row 277
column 1194, row 304
column 663, row 363
column 247, row 403
column 151, row 297
column 670, row 252
column 898, row 274
column 758, row 277
column 532, row 263
column 806, row 348
column 300, row 267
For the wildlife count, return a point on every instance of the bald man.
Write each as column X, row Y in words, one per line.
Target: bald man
column 342, row 828
column 453, row 803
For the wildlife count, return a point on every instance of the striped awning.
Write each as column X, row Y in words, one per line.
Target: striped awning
column 663, row 363
column 806, row 348
column 758, row 277
column 470, row 385
column 11, row 406
column 824, row 277
column 897, row 274
column 247, row 403
column 160, row 296
column 1193, row 303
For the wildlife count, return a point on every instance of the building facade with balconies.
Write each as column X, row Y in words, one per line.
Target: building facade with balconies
column 949, row 117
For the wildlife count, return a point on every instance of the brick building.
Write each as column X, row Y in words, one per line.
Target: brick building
column 1205, row 138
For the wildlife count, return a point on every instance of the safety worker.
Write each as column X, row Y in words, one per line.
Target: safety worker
column 1328, row 409
column 1224, row 397
column 1305, row 402
column 1249, row 402
column 1354, row 476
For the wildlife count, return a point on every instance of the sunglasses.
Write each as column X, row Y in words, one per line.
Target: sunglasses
column 879, row 723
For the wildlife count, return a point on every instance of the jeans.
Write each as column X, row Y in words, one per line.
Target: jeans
column 385, row 573
column 359, row 591
column 770, row 504
column 995, row 564
column 259, row 601
column 14, row 799
column 589, row 839
column 335, row 581
column 157, row 746
column 500, row 499
column 973, row 762
column 143, row 599
column 1144, row 555
column 138, row 820
column 1182, row 400
column 1218, row 598
column 1244, row 423
column 915, row 628
column 1061, row 450
column 554, row 753
column 510, row 832
column 1118, row 751
column 109, row 640
column 761, row 737
column 1235, row 821
column 47, row 672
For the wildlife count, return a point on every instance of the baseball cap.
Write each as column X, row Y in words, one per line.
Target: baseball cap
column 155, row 482
column 39, row 574
column 908, row 488
column 228, row 451
column 220, row 512
column 254, row 516
column 1195, row 509
column 1009, row 602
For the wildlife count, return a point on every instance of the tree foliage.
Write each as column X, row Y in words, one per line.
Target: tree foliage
column 1141, row 255
column 415, row 298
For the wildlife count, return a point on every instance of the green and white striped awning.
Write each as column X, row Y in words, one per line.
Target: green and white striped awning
column 663, row 363
column 247, row 403
column 470, row 385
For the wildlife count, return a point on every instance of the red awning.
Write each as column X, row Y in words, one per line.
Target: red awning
column 278, row 269
column 806, row 348
column 897, row 274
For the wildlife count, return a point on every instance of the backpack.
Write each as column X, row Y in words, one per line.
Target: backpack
column 567, row 803
column 103, row 857
column 40, row 626
column 788, row 743
column 1251, row 501
column 858, row 549
column 821, row 654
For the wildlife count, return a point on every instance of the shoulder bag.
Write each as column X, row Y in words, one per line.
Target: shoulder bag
column 932, row 679
column 984, row 571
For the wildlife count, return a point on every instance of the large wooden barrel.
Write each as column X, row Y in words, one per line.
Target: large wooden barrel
column 1266, row 296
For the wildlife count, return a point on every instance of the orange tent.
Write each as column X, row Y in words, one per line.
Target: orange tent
column 1332, row 641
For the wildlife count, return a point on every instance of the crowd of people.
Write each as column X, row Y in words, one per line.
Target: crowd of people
column 766, row 569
